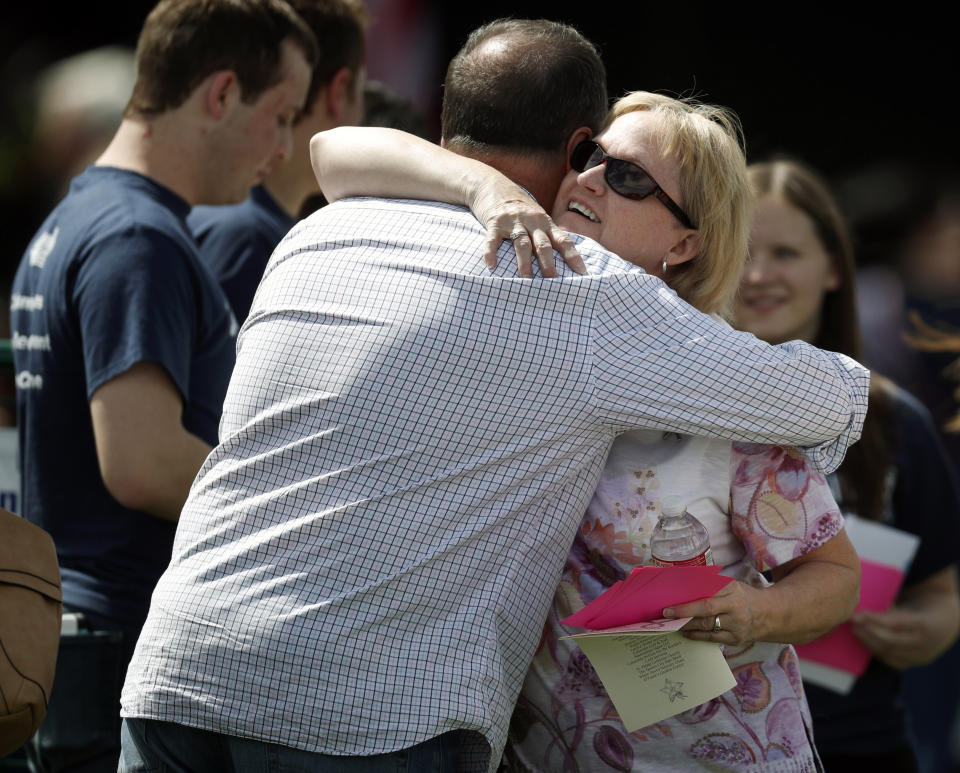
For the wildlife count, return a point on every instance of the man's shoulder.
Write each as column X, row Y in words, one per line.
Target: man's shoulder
column 439, row 235
column 366, row 206
column 401, row 224
column 419, row 216
column 107, row 205
column 601, row 262
column 101, row 213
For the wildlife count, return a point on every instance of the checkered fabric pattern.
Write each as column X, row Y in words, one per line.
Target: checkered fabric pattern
column 408, row 444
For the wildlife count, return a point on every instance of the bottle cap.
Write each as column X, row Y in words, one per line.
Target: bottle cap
column 673, row 506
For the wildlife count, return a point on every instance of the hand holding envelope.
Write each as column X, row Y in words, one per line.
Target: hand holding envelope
column 645, row 593
column 649, row 670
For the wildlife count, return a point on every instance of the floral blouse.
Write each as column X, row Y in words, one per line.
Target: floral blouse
column 763, row 506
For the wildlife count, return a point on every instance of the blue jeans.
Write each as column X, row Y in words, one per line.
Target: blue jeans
column 149, row 746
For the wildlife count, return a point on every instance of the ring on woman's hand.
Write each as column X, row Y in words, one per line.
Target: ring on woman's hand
column 716, row 624
column 517, row 234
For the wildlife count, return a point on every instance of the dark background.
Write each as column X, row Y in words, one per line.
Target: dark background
column 865, row 97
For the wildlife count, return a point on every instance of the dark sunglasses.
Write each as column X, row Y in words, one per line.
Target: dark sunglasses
column 624, row 177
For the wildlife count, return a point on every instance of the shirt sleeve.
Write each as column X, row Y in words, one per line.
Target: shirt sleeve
column 136, row 303
column 659, row 363
column 780, row 507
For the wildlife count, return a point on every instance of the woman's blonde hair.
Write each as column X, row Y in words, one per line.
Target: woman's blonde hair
column 707, row 143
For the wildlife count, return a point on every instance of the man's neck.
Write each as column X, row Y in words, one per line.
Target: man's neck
column 542, row 185
column 144, row 146
column 540, row 174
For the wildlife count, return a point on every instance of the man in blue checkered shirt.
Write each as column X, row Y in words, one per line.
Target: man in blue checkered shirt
column 408, row 444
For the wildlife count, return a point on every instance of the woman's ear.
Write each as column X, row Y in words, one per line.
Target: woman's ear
column 686, row 248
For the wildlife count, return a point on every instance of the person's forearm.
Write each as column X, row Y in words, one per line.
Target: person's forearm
column 811, row 595
column 809, row 602
column 704, row 378
column 147, row 459
column 851, row 383
column 794, row 395
column 159, row 480
column 816, row 400
column 171, row 485
column 373, row 161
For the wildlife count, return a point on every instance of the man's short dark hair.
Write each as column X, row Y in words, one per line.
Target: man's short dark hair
column 339, row 27
column 185, row 41
column 529, row 95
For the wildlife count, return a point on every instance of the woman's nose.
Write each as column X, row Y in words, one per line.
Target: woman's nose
column 593, row 179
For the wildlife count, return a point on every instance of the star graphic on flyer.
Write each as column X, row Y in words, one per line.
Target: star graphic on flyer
column 673, row 690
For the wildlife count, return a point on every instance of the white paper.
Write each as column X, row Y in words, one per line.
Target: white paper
column 881, row 543
column 652, row 676
column 835, row 679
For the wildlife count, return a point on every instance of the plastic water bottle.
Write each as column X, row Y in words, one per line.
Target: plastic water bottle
column 679, row 539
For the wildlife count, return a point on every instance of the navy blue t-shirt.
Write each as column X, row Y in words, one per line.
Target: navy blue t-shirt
column 236, row 242
column 111, row 279
column 924, row 501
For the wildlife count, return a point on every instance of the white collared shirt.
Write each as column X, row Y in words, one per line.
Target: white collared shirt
column 408, row 444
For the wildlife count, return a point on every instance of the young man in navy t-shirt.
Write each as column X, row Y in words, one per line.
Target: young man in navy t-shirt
column 124, row 343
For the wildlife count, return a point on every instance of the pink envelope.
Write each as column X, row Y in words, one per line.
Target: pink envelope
column 612, row 597
column 645, row 593
column 585, row 616
column 879, row 585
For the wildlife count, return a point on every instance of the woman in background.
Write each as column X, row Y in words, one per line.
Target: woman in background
column 799, row 284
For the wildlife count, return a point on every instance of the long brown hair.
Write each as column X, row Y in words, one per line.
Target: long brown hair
column 862, row 474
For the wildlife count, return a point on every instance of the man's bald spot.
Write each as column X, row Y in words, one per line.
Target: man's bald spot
column 504, row 53
column 522, row 86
